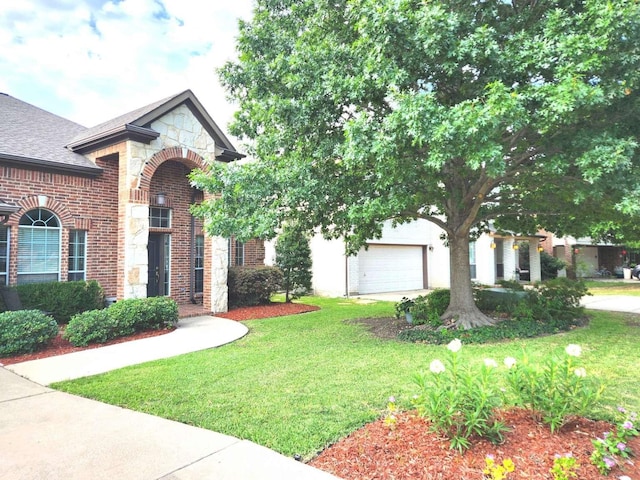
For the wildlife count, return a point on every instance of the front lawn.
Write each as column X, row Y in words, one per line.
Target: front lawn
column 613, row 287
column 297, row 383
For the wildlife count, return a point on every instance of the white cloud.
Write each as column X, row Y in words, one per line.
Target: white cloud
column 92, row 60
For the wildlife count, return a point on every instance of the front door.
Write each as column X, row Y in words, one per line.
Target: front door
column 158, row 266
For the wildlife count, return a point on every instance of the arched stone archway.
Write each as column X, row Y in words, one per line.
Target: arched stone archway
column 177, row 154
column 144, row 242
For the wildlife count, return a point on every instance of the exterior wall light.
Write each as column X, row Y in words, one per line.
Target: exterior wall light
column 161, row 199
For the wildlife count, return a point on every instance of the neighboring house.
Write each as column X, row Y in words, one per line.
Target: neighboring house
column 592, row 259
column 111, row 203
column 412, row 256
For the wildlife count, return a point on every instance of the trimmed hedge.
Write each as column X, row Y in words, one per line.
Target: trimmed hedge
column 62, row 300
column 123, row 318
column 25, row 331
column 249, row 286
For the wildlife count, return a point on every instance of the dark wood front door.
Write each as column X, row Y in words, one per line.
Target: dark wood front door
column 156, row 282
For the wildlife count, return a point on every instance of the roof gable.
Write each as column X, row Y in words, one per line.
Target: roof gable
column 136, row 125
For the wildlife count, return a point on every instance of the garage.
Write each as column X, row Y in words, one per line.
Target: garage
column 391, row 268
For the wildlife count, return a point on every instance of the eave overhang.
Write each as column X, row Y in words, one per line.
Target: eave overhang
column 121, row 134
column 40, row 164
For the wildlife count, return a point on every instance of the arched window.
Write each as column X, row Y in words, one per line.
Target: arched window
column 39, row 247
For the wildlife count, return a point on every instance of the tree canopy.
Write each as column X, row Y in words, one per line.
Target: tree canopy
column 521, row 112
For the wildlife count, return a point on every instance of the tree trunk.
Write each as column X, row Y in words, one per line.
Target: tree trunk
column 462, row 307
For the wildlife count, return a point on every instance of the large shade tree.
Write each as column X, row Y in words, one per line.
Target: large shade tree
column 522, row 112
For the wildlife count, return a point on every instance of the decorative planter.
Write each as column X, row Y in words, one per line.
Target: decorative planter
column 409, row 317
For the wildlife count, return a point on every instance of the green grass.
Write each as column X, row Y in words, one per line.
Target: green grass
column 298, row 383
column 612, row 287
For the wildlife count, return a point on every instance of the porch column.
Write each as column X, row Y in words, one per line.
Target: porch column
column 509, row 259
column 136, row 259
column 216, row 294
column 535, row 270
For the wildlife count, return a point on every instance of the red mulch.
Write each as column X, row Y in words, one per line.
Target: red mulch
column 411, row 451
column 60, row 346
column 267, row 311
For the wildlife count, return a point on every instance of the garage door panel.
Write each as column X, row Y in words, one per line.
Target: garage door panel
column 389, row 268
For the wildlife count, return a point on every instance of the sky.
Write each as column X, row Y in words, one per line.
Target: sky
column 93, row 60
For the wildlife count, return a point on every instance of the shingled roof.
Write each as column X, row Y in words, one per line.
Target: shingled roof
column 35, row 137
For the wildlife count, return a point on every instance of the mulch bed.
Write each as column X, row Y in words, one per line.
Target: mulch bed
column 267, row 311
column 60, row 346
column 412, row 451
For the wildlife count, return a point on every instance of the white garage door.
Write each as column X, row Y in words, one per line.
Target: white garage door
column 390, row 268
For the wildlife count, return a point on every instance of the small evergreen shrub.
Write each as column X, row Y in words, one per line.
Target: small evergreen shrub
column 95, row 326
column 424, row 313
column 250, row 286
column 124, row 317
column 550, row 265
column 62, row 299
column 438, row 300
column 293, row 258
column 25, row 331
column 164, row 314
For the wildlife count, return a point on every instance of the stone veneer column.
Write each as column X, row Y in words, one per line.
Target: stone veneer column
column 136, row 258
column 219, row 293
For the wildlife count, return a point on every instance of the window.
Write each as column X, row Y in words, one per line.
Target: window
column 239, row 256
column 77, row 255
column 472, row 258
column 38, row 247
column 159, row 217
column 199, row 264
column 4, row 256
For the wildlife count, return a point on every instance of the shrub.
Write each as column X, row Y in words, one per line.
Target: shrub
column 120, row 319
column 25, row 331
column 560, row 297
column 550, row 265
column 425, row 315
column 62, row 299
column 164, row 314
column 426, row 309
column 95, row 326
column 504, row 299
column 250, row 286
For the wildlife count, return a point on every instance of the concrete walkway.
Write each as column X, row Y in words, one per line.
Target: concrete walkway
column 45, row 434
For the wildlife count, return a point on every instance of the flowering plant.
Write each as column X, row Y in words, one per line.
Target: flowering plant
column 613, row 446
column 403, row 306
column 390, row 419
column 557, row 389
column 460, row 401
column 497, row 471
column 564, row 467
